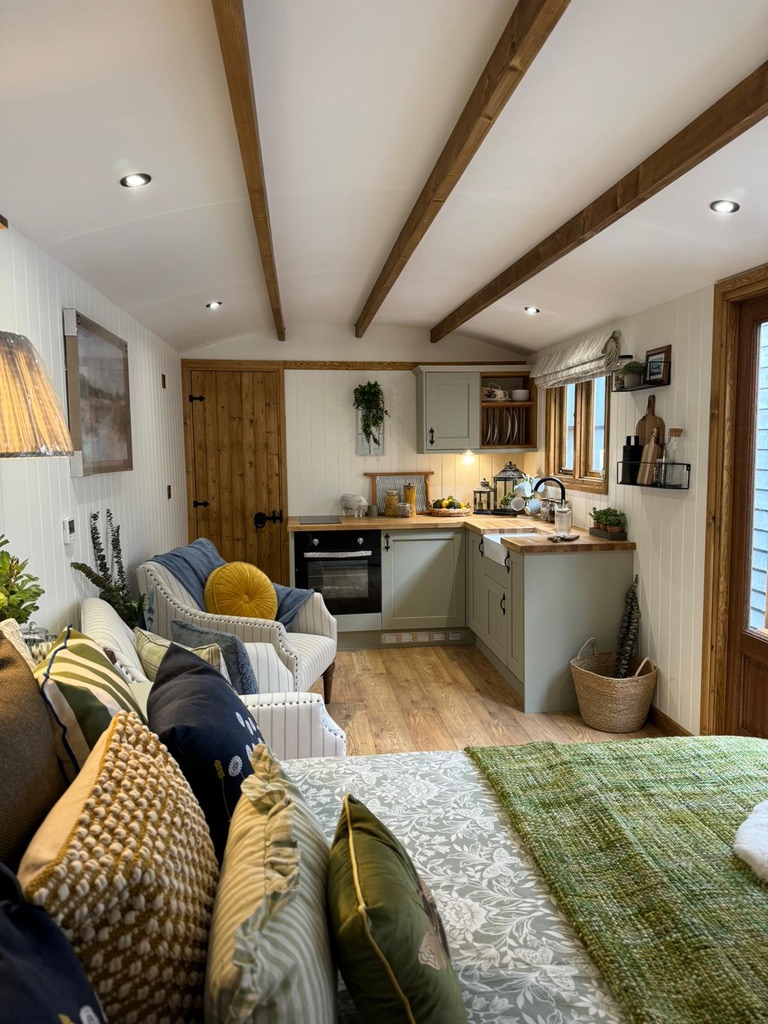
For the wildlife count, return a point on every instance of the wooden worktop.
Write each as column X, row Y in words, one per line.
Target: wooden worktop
column 536, row 545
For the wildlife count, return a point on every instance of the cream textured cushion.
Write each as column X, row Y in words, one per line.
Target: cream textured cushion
column 269, row 957
column 152, row 648
column 239, row 588
column 125, row 865
column 12, row 632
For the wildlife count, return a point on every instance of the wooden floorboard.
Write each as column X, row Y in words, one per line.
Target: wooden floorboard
column 394, row 700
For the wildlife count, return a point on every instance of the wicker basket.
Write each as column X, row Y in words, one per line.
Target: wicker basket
column 446, row 512
column 607, row 703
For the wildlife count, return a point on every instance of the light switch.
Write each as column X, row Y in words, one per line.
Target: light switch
column 69, row 529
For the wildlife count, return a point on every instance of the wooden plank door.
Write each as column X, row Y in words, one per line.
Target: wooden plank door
column 235, row 451
column 746, row 697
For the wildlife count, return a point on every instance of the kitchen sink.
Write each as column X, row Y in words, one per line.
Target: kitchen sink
column 493, row 548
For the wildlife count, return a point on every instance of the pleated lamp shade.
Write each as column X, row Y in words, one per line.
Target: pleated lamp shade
column 31, row 420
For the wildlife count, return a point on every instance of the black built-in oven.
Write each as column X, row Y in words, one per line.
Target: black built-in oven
column 344, row 566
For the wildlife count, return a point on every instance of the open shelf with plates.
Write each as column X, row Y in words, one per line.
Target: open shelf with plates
column 505, row 423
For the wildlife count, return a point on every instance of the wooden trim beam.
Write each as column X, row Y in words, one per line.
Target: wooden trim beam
column 734, row 113
column 525, row 34
column 233, row 39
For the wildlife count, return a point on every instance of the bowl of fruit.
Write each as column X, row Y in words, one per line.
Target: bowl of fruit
column 449, row 506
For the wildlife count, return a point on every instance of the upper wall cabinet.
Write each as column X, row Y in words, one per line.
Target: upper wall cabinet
column 482, row 408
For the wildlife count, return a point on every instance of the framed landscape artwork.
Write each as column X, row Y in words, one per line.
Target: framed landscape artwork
column 98, row 396
column 657, row 365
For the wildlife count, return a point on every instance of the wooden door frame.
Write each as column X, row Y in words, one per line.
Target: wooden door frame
column 729, row 294
column 188, row 366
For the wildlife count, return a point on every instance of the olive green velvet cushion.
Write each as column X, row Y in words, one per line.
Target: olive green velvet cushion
column 239, row 588
column 387, row 934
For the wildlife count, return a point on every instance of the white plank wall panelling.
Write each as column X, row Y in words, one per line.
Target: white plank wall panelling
column 320, row 442
column 36, row 494
column 668, row 526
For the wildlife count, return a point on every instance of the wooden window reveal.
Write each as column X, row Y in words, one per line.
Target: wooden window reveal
column 577, row 448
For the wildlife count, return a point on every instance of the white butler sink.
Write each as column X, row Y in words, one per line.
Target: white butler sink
column 495, row 550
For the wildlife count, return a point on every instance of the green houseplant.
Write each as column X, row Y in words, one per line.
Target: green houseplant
column 609, row 520
column 369, row 401
column 632, row 374
column 18, row 590
column 111, row 578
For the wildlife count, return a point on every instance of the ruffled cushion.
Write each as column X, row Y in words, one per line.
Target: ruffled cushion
column 239, row 588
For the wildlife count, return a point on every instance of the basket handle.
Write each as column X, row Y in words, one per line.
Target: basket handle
column 586, row 644
column 641, row 666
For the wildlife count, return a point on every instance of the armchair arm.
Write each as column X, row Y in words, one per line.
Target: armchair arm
column 297, row 725
column 271, row 674
column 313, row 617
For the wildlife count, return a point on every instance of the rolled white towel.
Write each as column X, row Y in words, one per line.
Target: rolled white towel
column 751, row 842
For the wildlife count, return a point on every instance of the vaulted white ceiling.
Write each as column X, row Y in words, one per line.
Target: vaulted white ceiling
column 355, row 100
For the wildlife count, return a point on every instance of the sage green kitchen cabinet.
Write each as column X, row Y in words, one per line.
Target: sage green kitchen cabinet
column 531, row 614
column 447, row 410
column 423, row 579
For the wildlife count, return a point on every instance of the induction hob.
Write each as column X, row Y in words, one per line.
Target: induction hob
column 318, row 520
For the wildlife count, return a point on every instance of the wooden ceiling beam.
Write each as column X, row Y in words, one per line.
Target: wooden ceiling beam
column 734, row 113
column 233, row 40
column 3, row 222
column 525, row 34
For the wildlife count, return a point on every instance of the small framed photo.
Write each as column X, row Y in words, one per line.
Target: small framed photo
column 657, row 365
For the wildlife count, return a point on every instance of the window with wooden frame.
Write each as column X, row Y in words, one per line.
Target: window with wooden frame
column 577, row 435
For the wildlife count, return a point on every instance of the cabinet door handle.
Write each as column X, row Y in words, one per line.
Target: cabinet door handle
column 503, row 604
column 386, row 542
column 506, row 561
column 481, row 548
column 431, row 435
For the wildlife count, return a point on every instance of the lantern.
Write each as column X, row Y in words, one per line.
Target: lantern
column 504, row 483
column 481, row 497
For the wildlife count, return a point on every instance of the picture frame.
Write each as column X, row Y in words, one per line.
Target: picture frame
column 658, row 362
column 98, row 397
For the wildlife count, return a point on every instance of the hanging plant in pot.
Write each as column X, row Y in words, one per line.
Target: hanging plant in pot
column 369, row 401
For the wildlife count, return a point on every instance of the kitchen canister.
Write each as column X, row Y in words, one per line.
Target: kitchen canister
column 391, row 501
column 409, row 496
column 404, row 510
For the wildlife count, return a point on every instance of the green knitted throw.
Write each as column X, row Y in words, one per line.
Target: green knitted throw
column 634, row 839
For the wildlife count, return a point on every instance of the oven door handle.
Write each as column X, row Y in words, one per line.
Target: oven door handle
column 333, row 555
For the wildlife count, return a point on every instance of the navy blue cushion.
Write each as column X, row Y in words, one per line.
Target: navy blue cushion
column 232, row 648
column 209, row 731
column 41, row 979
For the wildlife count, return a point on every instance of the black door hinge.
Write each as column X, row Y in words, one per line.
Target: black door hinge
column 200, row 504
column 197, row 398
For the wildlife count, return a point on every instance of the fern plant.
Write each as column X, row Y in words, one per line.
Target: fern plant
column 369, row 400
column 109, row 575
column 18, row 590
column 628, row 630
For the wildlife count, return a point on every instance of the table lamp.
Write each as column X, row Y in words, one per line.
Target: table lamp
column 31, row 421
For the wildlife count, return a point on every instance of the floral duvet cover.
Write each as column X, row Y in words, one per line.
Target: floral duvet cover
column 518, row 959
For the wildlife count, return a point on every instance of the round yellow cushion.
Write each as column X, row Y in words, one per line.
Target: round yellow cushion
column 239, row 588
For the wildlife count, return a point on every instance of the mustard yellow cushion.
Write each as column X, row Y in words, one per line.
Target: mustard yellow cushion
column 239, row 588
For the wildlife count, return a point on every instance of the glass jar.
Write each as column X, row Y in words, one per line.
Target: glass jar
column 391, row 501
column 563, row 520
column 409, row 496
column 674, row 457
column 404, row 510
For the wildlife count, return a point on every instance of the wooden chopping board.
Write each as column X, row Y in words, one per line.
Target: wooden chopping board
column 650, row 422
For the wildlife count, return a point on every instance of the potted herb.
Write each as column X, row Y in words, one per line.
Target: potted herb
column 369, row 401
column 609, row 522
column 111, row 578
column 632, row 374
column 18, row 590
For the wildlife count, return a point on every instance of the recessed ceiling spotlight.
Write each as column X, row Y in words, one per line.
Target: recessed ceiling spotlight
column 532, row 310
column 214, row 305
column 135, row 180
column 724, row 206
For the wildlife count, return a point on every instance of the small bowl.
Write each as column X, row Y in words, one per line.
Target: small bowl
column 521, row 396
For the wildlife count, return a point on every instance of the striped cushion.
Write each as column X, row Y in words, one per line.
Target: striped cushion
column 152, row 649
column 83, row 691
column 269, row 957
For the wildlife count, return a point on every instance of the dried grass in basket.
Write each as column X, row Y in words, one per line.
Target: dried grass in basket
column 605, row 702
